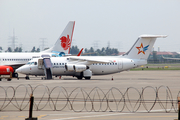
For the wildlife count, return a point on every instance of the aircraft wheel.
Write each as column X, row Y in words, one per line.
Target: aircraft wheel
column 0, row 79
column 87, row 78
column 9, row 79
column 27, row 77
column 15, row 75
column 79, row 77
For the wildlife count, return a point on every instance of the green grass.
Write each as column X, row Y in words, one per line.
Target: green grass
column 168, row 64
column 172, row 68
column 158, row 67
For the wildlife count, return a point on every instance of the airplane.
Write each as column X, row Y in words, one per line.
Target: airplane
column 9, row 62
column 86, row 66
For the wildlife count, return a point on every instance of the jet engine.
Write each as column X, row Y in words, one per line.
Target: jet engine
column 69, row 67
column 80, row 68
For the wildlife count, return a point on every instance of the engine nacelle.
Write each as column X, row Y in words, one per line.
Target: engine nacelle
column 6, row 70
column 80, row 68
column 87, row 73
column 69, row 67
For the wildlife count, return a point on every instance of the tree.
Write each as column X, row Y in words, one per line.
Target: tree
column 38, row 50
column 91, row 49
column 102, row 52
column 34, row 49
column 44, row 48
column 74, row 50
column 9, row 49
column 20, row 49
column 1, row 49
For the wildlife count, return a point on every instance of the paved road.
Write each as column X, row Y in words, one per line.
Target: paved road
column 121, row 81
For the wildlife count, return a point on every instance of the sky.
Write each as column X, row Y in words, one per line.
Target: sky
column 98, row 23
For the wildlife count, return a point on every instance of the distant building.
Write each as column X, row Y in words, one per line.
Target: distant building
column 164, row 53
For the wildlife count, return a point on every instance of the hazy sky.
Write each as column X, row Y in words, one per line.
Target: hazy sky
column 98, row 22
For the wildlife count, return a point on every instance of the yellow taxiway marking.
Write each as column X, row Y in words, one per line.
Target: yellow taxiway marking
column 4, row 116
column 41, row 116
column 22, row 116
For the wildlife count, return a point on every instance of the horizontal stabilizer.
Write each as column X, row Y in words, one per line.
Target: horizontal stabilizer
column 142, row 47
column 153, row 36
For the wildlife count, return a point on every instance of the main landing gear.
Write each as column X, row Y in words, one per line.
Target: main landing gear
column 27, row 77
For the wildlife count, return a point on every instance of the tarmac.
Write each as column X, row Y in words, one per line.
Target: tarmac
column 166, row 82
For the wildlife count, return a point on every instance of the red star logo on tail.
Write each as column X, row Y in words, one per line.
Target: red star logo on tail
column 140, row 49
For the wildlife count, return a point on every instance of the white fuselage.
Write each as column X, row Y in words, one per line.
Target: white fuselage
column 58, row 66
column 19, row 59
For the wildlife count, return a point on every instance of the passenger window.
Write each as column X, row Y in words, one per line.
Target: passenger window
column 59, row 63
column 54, row 63
column 62, row 63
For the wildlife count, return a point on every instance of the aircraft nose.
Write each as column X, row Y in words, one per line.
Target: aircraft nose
column 19, row 70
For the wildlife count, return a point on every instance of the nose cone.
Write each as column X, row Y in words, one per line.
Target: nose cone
column 25, row 69
column 19, row 70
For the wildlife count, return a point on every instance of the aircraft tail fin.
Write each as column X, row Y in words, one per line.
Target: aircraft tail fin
column 63, row 43
column 142, row 47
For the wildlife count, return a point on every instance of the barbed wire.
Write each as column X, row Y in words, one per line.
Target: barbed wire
column 96, row 100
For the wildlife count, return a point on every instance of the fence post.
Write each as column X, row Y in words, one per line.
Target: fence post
column 31, row 102
column 178, row 108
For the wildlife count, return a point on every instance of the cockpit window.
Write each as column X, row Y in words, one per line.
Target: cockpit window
column 28, row 63
column 35, row 63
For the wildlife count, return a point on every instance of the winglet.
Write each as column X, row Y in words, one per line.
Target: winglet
column 80, row 52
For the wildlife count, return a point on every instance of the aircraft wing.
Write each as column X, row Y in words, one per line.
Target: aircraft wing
column 88, row 61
